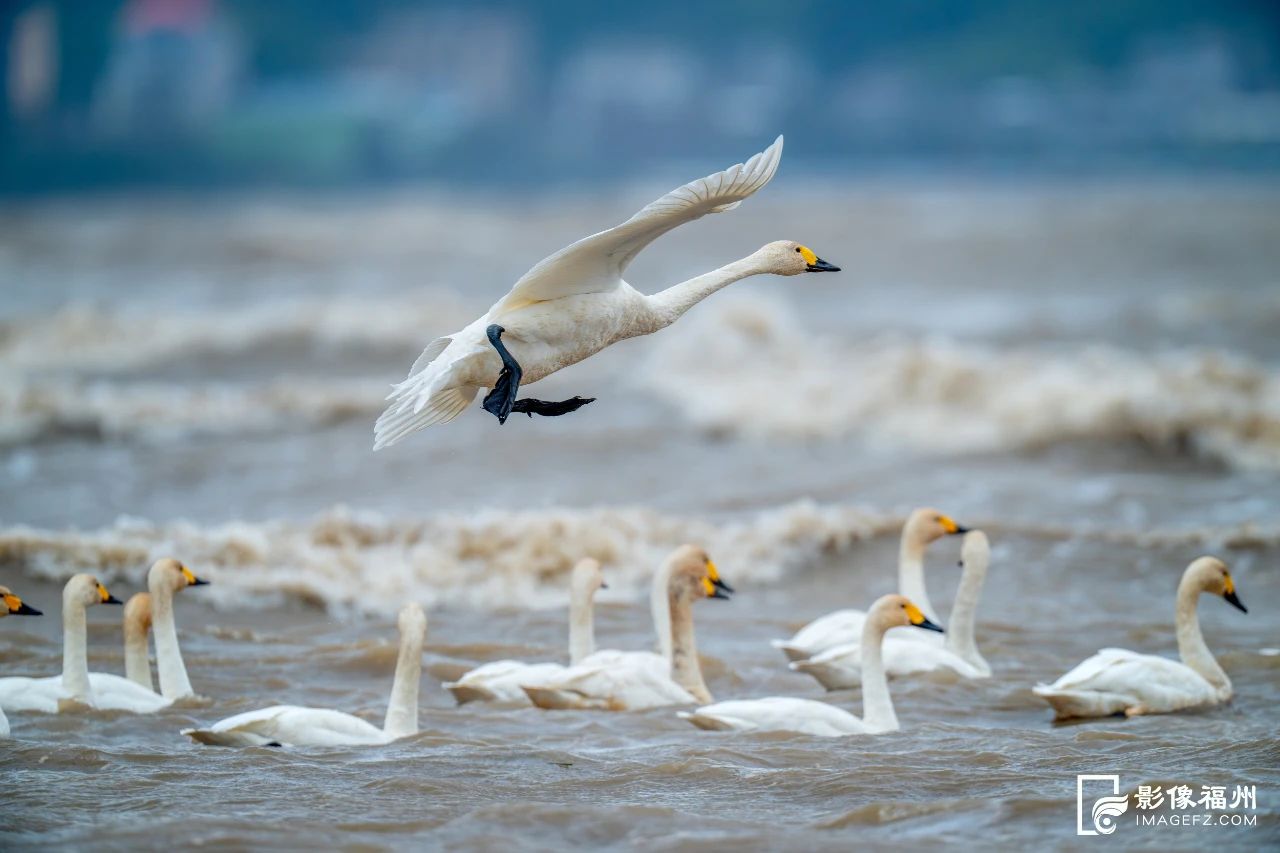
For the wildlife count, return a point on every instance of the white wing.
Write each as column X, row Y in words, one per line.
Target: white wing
column 114, row 693
column 612, row 680
column 777, row 714
column 825, row 632
column 19, row 693
column 502, row 681
column 595, row 264
column 290, row 725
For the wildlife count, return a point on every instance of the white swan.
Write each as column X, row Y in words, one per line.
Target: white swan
column 137, row 625
column 614, row 680
column 290, row 725
column 501, row 680
column 924, row 525
column 807, row 716
column 75, row 689
column 1116, row 681
column 575, row 303
column 12, row 605
column 840, row 667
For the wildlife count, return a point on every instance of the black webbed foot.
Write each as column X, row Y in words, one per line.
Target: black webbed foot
column 550, row 408
column 502, row 398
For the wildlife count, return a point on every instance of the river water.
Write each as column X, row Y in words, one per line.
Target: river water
column 1090, row 373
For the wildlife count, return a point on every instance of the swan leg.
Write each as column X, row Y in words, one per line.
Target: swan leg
column 501, row 401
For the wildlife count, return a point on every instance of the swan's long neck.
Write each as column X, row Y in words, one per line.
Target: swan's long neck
column 660, row 609
column 402, row 709
column 137, row 665
column 911, row 574
column 671, row 304
column 877, row 707
column 964, row 612
column 174, row 683
column 1191, row 645
column 685, row 668
column 75, row 657
column 582, row 634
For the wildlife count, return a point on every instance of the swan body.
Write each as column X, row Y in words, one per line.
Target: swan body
column 12, row 605
column 503, row 680
column 613, row 680
column 575, row 303
column 840, row 627
column 1118, row 681
column 810, row 717
column 292, row 725
column 840, row 667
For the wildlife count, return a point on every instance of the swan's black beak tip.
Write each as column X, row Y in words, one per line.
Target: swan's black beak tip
column 111, row 599
column 822, row 266
column 1234, row 601
column 721, row 585
column 25, row 609
column 929, row 625
column 198, row 582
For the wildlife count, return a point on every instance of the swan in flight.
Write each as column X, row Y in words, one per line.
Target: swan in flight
column 76, row 689
column 906, row 653
column 290, row 725
column 575, row 303
column 924, row 525
column 12, row 605
column 1118, row 681
column 502, row 680
column 810, row 717
column 612, row 680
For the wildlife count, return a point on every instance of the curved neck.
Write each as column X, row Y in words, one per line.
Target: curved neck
column 911, row 574
column 75, row 657
column 685, row 668
column 1191, row 645
column 582, row 634
column 402, row 709
column 660, row 609
column 671, row 304
column 964, row 614
column 137, row 665
column 174, row 683
column 877, row 707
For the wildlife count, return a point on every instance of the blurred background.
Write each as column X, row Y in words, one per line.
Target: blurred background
column 212, row 93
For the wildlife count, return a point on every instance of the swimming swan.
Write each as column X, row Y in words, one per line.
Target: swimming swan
column 1116, row 681
column 76, row 689
column 290, row 725
column 923, row 526
column 612, row 680
column 137, row 625
column 12, row 605
column 840, row 667
column 501, row 680
column 810, row 717
column 575, row 303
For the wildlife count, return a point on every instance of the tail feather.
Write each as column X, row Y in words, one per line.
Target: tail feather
column 464, row 693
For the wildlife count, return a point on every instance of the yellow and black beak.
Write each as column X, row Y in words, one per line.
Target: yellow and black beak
column 819, row 265
column 717, row 583
column 107, row 598
column 917, row 618
column 1229, row 593
column 191, row 579
column 17, row 607
column 950, row 526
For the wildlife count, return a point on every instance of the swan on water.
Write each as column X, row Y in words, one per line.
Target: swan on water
column 575, row 303
column 137, row 626
column 1118, row 681
column 12, row 605
column 613, row 680
column 291, row 725
column 924, row 525
column 840, row 667
column 808, row 716
column 501, row 681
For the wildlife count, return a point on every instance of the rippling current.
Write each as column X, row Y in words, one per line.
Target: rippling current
column 1089, row 374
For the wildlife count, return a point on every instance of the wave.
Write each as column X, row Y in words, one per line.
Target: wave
column 344, row 560
column 749, row 367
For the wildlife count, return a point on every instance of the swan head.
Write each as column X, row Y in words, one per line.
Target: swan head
column 170, row 575
column 975, row 550
column 84, row 591
column 895, row 611
column 787, row 257
column 14, row 606
column 588, row 576
column 137, row 612
column 412, row 622
column 1209, row 574
column 927, row 524
column 693, row 574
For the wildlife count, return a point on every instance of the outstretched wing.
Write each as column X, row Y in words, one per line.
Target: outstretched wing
column 595, row 264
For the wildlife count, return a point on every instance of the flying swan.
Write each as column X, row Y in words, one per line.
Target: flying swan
column 12, row 605
column 612, row 680
column 907, row 653
column 575, row 303
column 291, row 725
column 810, row 717
column 924, row 525
column 1118, row 681
column 501, row 680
